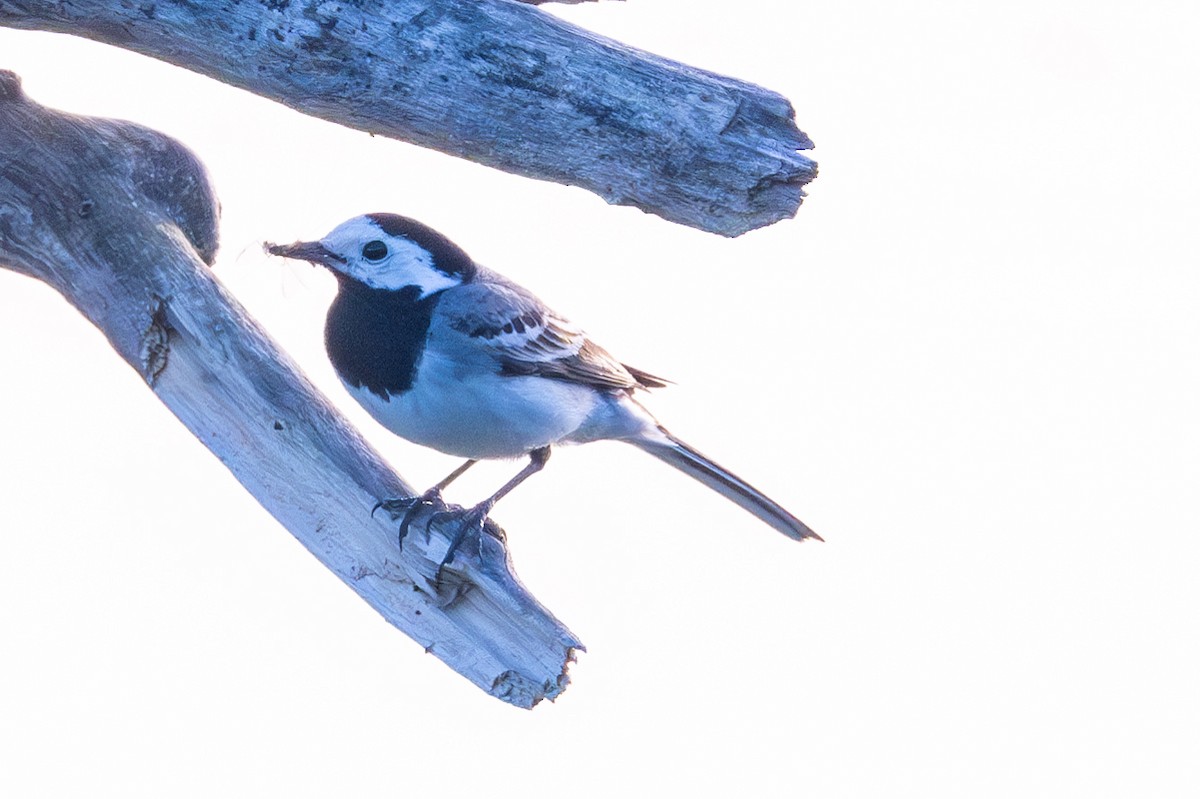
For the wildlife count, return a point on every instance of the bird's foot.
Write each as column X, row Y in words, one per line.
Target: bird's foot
column 406, row 509
column 465, row 527
column 470, row 522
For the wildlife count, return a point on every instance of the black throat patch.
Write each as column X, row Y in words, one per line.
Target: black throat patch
column 375, row 337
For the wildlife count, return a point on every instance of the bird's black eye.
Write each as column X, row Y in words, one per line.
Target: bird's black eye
column 374, row 250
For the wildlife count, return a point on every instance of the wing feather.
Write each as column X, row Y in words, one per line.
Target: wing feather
column 524, row 337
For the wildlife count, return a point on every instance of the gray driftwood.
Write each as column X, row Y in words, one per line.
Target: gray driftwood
column 497, row 82
column 121, row 220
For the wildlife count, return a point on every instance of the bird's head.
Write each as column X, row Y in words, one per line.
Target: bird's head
column 386, row 251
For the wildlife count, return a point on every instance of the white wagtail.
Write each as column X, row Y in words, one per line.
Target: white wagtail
column 453, row 356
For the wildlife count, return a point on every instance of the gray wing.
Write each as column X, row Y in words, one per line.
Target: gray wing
column 524, row 337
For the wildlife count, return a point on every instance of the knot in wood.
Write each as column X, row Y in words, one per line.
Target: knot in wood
column 10, row 87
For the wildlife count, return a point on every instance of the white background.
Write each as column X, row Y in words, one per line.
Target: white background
column 970, row 363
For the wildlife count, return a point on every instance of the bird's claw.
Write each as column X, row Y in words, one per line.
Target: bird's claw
column 411, row 506
column 464, row 522
column 471, row 520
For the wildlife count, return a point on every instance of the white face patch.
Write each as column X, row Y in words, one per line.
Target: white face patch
column 385, row 262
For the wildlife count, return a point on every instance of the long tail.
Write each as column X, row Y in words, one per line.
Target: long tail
column 670, row 449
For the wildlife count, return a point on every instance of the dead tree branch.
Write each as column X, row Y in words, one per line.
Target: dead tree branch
column 499, row 83
column 121, row 221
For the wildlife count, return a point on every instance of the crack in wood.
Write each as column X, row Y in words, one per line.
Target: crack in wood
column 156, row 343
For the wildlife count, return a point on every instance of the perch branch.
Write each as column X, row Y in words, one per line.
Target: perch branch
column 496, row 82
column 121, row 220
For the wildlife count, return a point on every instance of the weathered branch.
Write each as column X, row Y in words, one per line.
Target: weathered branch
column 497, row 82
column 121, row 220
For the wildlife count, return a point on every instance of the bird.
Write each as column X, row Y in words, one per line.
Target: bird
column 453, row 356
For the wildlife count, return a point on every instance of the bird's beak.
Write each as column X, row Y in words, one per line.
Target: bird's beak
column 311, row 251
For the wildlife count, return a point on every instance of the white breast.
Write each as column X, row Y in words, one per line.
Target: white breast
column 481, row 414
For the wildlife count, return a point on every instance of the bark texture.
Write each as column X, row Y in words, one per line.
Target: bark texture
column 497, row 82
column 122, row 221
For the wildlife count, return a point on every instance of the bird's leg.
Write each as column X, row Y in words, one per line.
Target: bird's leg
column 474, row 517
column 454, row 475
column 431, row 496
